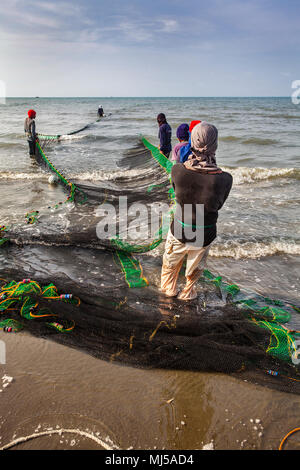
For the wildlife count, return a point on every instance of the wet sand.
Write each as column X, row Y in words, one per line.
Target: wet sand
column 47, row 387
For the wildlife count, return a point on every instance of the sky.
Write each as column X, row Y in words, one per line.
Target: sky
column 149, row 48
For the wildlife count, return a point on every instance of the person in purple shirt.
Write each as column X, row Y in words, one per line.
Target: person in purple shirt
column 164, row 135
column 183, row 136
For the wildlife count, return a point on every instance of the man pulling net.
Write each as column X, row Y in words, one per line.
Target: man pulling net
column 29, row 129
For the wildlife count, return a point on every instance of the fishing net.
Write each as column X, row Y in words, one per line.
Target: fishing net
column 115, row 310
column 28, row 298
column 46, row 137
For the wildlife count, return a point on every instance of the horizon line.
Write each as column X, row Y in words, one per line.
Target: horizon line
column 150, row 97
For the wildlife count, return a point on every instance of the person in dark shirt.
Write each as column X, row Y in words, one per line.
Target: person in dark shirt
column 100, row 111
column 29, row 129
column 202, row 188
column 164, row 135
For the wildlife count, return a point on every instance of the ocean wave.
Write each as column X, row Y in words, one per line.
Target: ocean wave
column 250, row 141
column 72, row 137
column 243, row 175
column 245, row 250
column 93, row 176
column 11, row 175
column 253, row 250
column 230, row 138
column 240, row 175
column 233, row 250
column 12, row 135
column 258, row 141
column 281, row 116
column 11, row 145
column 103, row 175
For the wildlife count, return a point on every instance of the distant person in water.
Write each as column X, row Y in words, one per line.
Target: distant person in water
column 164, row 135
column 100, row 111
column 183, row 136
column 201, row 187
column 185, row 150
column 29, row 129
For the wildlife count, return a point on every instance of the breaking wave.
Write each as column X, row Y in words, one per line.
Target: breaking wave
column 253, row 250
column 241, row 175
column 11, row 175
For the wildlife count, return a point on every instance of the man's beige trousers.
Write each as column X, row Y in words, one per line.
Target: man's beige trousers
column 173, row 258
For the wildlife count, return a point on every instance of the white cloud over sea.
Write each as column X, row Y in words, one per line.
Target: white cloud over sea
column 139, row 48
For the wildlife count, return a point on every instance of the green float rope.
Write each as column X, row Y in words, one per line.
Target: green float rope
column 72, row 187
column 24, row 297
column 130, row 266
column 132, row 269
column 48, row 137
column 266, row 313
column 164, row 227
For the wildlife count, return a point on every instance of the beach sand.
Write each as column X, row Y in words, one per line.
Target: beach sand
column 47, row 387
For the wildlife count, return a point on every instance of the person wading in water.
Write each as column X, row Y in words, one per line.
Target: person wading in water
column 164, row 135
column 29, row 129
column 198, row 183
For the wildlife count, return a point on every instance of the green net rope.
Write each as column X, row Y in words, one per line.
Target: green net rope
column 25, row 296
column 266, row 313
column 165, row 224
column 73, row 189
column 130, row 266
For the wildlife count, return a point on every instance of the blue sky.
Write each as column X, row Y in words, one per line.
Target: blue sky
column 150, row 48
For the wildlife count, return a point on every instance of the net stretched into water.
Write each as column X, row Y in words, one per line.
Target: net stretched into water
column 108, row 303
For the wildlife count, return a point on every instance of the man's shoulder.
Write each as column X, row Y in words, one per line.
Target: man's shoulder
column 226, row 179
column 177, row 168
column 227, row 175
column 166, row 127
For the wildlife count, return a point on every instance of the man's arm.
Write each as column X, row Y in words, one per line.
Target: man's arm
column 163, row 136
column 33, row 133
column 227, row 190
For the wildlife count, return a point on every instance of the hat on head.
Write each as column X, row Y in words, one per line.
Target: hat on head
column 31, row 113
column 182, row 132
column 193, row 124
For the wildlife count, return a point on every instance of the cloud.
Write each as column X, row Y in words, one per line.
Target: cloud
column 169, row 25
column 16, row 14
column 136, row 39
column 138, row 32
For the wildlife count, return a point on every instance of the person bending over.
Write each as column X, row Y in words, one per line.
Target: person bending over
column 198, row 183
column 29, row 129
column 164, row 135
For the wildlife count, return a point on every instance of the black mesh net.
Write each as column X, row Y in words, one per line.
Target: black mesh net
column 121, row 315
